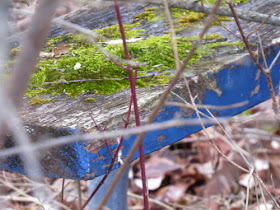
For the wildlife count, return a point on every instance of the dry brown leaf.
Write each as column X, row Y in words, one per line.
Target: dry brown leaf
column 172, row 193
column 60, row 50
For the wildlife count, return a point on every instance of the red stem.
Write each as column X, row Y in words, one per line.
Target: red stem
column 117, row 150
column 102, row 130
column 136, row 111
column 112, row 163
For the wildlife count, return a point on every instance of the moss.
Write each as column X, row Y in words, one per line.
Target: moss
column 183, row 17
column 113, row 32
column 14, row 52
column 150, row 14
column 186, row 17
column 38, row 101
column 88, row 100
column 155, row 51
column 247, row 112
column 235, row 2
column 239, row 44
column 240, row 1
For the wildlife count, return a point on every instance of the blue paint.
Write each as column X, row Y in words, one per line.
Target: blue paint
column 237, row 83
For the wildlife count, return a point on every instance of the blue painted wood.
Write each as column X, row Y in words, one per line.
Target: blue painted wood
column 118, row 199
column 238, row 82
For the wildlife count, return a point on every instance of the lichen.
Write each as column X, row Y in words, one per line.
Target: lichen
column 235, row 2
column 14, row 52
column 182, row 17
column 39, row 101
column 88, row 100
column 150, row 14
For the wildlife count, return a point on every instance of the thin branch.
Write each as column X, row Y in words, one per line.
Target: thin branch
column 161, row 204
column 173, row 34
column 122, row 132
column 92, row 80
column 32, row 44
column 262, row 50
column 90, row 36
column 274, row 61
column 4, row 26
column 258, row 28
column 275, row 104
column 205, row 131
column 199, row 106
column 62, row 191
column 248, row 187
column 267, row 191
column 226, row 28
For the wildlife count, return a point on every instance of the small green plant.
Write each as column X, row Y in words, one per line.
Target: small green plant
column 88, row 100
column 39, row 101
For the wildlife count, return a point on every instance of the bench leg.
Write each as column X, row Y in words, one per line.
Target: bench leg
column 118, row 199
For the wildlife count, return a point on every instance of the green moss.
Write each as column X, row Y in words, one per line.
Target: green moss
column 155, row 51
column 240, row 1
column 150, row 14
column 239, row 44
column 183, row 17
column 14, row 52
column 88, row 100
column 113, row 32
column 235, row 2
column 38, row 101
column 186, row 17
column 247, row 112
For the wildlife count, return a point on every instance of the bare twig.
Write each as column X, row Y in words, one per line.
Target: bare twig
column 267, row 74
column 274, row 61
column 18, row 81
column 221, row 24
column 161, row 204
column 200, row 106
column 4, row 31
column 90, row 36
column 32, row 44
column 124, row 132
column 248, row 187
column 258, row 28
column 262, row 50
column 92, row 80
column 62, row 190
column 173, row 34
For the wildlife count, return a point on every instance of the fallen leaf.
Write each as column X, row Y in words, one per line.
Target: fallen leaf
column 60, row 50
column 153, row 183
column 172, row 193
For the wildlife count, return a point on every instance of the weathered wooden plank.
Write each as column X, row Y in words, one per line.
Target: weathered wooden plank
column 230, row 77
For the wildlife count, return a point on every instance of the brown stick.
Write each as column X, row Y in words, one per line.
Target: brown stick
column 33, row 42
